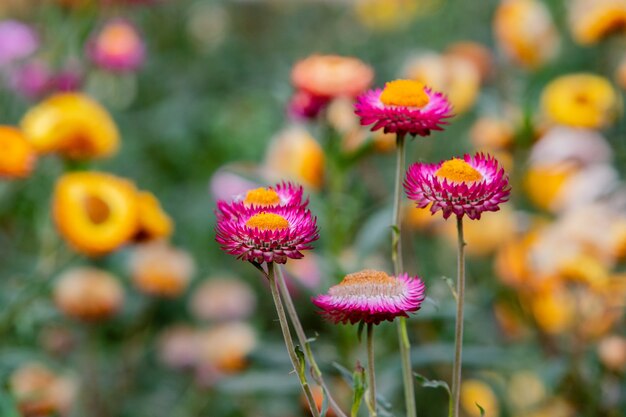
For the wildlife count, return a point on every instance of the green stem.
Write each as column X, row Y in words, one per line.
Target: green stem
column 284, row 326
column 370, row 369
column 304, row 341
column 396, row 256
column 458, row 333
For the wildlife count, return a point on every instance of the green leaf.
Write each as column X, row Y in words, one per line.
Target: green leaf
column 301, row 363
column 7, row 405
column 482, row 410
column 324, row 409
column 359, row 385
column 431, row 383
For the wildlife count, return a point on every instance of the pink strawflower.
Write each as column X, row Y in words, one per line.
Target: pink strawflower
column 284, row 194
column 404, row 106
column 371, row 296
column 304, row 105
column 117, row 47
column 269, row 234
column 461, row 186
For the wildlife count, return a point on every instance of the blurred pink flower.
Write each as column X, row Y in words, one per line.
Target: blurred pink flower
column 117, row 46
column 566, row 144
column 17, row 41
column 226, row 185
column 31, row 79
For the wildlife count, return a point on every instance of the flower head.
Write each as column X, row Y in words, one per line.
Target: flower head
column 403, row 106
column 331, row 76
column 95, row 212
column 284, row 194
column 88, row 294
column 73, row 125
column 17, row 41
column 580, row 100
column 117, row 47
column 270, row 234
column 17, row 156
column 161, row 270
column 371, row 296
column 469, row 186
column 594, row 20
column 153, row 221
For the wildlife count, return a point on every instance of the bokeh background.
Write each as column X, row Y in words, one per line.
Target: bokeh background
column 192, row 101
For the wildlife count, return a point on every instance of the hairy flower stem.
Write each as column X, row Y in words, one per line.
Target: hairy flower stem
column 284, row 326
column 370, row 370
column 396, row 256
column 304, row 341
column 458, row 333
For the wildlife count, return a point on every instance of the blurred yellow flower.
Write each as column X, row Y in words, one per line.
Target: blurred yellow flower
column 453, row 75
column 391, row 14
column 475, row 391
column 73, row 125
column 39, row 392
column 88, row 294
column 554, row 310
column 419, row 218
column 294, row 154
column 17, row 155
column 161, row 270
column 543, row 183
column 95, row 212
column 153, row 222
column 593, row 20
column 526, row 33
column 580, row 100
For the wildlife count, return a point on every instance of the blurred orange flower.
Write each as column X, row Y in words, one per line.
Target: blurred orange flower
column 39, row 392
column 17, row 155
column 72, row 125
column 95, row 212
column 153, row 222
column 161, row 270
column 222, row 299
column 593, row 20
column 88, row 294
column 525, row 32
column 225, row 347
column 490, row 133
column 332, row 76
column 294, row 154
column 580, row 100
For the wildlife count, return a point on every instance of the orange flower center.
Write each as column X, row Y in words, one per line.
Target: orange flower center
column 268, row 221
column 457, row 170
column 97, row 209
column 262, row 197
column 406, row 93
column 367, row 283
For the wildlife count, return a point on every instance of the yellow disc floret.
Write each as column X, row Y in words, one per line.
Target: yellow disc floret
column 457, row 170
column 262, row 197
column 268, row 221
column 407, row 93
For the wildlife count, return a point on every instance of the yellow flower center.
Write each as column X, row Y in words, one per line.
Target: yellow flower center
column 367, row 276
column 406, row 93
column 262, row 197
column 457, row 170
column 268, row 221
